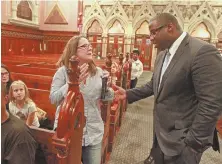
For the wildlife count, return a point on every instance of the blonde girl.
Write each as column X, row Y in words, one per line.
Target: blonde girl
column 21, row 105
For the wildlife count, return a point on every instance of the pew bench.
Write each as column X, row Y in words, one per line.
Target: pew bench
column 41, row 99
column 63, row 146
column 44, row 138
column 31, row 70
column 114, row 124
column 29, row 64
column 33, row 81
column 51, row 58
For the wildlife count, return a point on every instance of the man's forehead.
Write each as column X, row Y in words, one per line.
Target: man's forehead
column 153, row 24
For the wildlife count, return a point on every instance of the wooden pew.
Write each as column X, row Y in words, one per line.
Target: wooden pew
column 116, row 107
column 41, row 65
column 39, row 90
column 64, row 146
column 126, row 79
column 39, row 87
column 41, row 99
column 51, row 58
column 30, row 64
column 33, row 81
column 44, row 138
column 31, row 70
column 105, row 113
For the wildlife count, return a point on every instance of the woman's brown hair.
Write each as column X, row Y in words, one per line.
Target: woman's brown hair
column 8, row 84
column 70, row 50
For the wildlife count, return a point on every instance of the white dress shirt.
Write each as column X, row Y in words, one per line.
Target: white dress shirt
column 137, row 69
column 172, row 51
column 175, row 46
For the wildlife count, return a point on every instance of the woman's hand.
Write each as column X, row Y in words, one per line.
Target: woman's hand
column 83, row 73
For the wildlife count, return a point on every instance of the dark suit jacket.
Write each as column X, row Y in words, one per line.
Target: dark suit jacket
column 189, row 99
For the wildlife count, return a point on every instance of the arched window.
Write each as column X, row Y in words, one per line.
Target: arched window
column 95, row 28
column 116, row 39
column 116, row 28
column 94, row 34
column 143, row 44
column 143, row 29
column 24, row 11
column 201, row 32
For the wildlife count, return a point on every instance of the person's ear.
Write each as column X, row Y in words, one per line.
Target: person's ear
column 170, row 27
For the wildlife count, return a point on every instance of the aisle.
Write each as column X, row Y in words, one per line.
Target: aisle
column 134, row 139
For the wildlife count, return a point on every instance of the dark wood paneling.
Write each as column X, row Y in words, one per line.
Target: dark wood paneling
column 17, row 40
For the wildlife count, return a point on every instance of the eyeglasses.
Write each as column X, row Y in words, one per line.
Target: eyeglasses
column 4, row 73
column 155, row 31
column 85, row 46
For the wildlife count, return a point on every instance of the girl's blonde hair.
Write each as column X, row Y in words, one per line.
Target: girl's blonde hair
column 70, row 50
column 26, row 98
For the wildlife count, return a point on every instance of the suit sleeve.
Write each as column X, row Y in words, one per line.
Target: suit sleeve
column 207, row 80
column 139, row 93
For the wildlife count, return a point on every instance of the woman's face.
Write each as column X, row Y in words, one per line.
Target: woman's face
column 5, row 75
column 84, row 51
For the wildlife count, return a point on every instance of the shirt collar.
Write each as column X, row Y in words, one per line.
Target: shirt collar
column 177, row 43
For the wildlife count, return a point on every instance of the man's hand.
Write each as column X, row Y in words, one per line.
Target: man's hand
column 83, row 73
column 120, row 93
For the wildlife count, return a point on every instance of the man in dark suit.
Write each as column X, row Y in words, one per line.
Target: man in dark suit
column 187, row 89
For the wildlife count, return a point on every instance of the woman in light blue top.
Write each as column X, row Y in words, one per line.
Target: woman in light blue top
column 90, row 87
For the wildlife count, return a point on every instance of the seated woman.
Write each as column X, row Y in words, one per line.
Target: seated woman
column 21, row 105
column 6, row 79
column 90, row 87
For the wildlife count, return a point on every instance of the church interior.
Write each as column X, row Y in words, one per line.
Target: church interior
column 34, row 34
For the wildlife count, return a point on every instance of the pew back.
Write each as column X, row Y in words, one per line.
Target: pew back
column 33, row 81
column 41, row 98
column 32, row 70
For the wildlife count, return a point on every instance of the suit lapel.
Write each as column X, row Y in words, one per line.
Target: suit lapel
column 158, row 70
column 174, row 60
